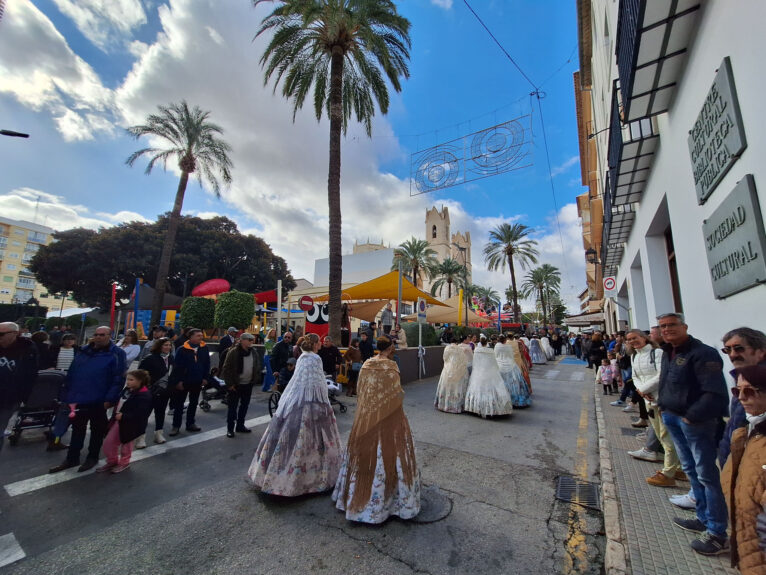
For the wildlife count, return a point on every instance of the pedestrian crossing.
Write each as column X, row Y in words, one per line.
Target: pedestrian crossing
column 10, row 550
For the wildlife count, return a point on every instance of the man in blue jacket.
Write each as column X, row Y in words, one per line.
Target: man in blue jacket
column 94, row 382
column 18, row 369
column 191, row 370
column 693, row 400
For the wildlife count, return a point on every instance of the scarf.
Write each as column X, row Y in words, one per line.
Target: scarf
column 754, row 420
column 194, row 349
column 379, row 421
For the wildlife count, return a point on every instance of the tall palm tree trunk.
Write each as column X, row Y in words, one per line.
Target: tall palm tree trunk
column 333, row 191
column 160, row 283
column 415, row 273
column 516, row 316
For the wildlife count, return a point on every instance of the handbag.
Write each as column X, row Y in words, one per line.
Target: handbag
column 160, row 387
column 356, row 366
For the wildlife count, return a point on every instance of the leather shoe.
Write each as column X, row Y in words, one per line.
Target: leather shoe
column 193, row 428
column 244, row 429
column 63, row 466
column 230, row 434
column 88, row 464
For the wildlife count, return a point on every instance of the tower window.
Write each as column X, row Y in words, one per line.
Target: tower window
column 433, row 232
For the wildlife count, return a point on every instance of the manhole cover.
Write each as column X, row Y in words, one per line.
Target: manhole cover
column 434, row 505
column 578, row 491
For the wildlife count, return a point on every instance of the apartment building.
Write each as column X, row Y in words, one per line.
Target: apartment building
column 672, row 148
column 19, row 241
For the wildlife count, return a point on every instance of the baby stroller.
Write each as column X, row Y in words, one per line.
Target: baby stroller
column 332, row 389
column 216, row 389
column 39, row 409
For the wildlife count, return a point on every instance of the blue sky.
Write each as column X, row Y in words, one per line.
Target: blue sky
column 74, row 73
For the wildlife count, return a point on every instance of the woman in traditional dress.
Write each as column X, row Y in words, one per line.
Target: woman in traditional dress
column 512, row 376
column 548, row 350
column 465, row 345
column 487, row 394
column 453, row 382
column 536, row 352
column 518, row 357
column 379, row 476
column 300, row 451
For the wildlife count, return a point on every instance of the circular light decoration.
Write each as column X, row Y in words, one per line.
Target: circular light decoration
column 497, row 149
column 437, row 168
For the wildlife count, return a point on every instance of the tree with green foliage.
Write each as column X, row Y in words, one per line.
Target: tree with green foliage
column 417, row 259
column 193, row 141
column 447, row 273
column 542, row 282
column 509, row 243
column 487, row 296
column 345, row 50
column 198, row 312
column 234, row 308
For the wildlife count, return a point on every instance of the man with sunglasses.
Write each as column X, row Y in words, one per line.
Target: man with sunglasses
column 18, row 369
column 693, row 399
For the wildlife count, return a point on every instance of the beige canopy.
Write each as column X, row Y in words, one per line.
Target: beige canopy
column 384, row 287
column 449, row 313
column 366, row 310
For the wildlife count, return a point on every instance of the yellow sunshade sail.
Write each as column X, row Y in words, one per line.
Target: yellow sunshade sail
column 385, row 287
column 449, row 313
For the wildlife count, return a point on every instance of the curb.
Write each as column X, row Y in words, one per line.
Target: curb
column 615, row 560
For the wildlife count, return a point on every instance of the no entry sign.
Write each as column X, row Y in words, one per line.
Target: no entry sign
column 306, row 303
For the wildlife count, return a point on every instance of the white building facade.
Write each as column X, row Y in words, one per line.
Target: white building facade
column 676, row 88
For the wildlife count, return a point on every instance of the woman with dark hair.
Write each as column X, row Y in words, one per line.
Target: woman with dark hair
column 379, row 476
column 300, row 451
column 597, row 350
column 40, row 339
column 129, row 345
column 158, row 364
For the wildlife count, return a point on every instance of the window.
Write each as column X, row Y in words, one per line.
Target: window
column 7, row 278
column 10, row 267
column 15, row 243
column 673, row 264
column 14, row 255
column 18, row 232
column 36, row 237
column 433, row 232
column 5, row 291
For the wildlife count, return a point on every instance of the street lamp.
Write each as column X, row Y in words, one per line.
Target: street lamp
column 591, row 256
column 594, row 134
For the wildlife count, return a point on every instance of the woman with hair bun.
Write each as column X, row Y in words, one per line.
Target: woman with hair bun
column 300, row 451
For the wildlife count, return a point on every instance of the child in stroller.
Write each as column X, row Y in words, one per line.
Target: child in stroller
column 215, row 389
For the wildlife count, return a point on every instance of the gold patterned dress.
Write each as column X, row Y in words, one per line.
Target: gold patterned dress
column 453, row 381
column 300, row 451
column 379, row 476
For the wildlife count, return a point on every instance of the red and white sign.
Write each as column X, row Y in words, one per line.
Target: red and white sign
column 306, row 303
column 610, row 285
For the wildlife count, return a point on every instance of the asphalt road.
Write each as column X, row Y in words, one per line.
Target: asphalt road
column 186, row 509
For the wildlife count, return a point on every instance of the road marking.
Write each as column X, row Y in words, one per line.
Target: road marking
column 43, row 481
column 552, row 373
column 577, row 376
column 10, row 550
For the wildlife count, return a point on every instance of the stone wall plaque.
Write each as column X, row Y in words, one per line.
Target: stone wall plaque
column 717, row 138
column 735, row 241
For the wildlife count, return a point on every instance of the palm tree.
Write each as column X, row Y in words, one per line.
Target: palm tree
column 193, row 141
column 416, row 257
column 488, row 296
column 345, row 49
column 447, row 272
column 544, row 282
column 507, row 242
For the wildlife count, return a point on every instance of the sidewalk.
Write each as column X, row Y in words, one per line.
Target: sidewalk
column 653, row 545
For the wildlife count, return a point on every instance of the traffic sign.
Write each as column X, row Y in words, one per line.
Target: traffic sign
column 421, row 310
column 610, row 285
column 306, row 303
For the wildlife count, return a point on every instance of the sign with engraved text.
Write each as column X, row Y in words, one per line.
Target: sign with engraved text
column 735, row 241
column 717, row 138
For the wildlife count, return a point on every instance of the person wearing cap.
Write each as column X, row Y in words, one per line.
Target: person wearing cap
column 286, row 373
column 228, row 340
column 743, row 474
column 693, row 401
column 241, row 371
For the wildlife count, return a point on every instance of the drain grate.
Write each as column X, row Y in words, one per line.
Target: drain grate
column 578, row 491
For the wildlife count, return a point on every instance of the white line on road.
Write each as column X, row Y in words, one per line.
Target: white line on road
column 42, row 481
column 577, row 376
column 10, row 550
column 552, row 374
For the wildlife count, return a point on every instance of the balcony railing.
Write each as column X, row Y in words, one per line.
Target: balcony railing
column 627, row 45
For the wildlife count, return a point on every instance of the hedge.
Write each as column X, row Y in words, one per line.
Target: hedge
column 198, row 312
column 235, row 309
column 430, row 337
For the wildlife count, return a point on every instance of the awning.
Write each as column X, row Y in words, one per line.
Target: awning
column 70, row 312
column 585, row 319
column 449, row 313
column 366, row 310
column 385, row 287
column 266, row 296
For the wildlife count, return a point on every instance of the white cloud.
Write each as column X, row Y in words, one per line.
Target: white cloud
column 55, row 212
column 446, row 4
column 104, row 22
column 42, row 72
column 560, row 169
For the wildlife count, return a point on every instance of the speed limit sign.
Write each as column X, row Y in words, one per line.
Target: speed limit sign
column 609, row 287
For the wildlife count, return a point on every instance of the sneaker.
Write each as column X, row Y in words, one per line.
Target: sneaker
column 645, row 455
column 140, row 442
column 174, row 432
column 641, row 436
column 630, row 408
column 230, row 434
column 106, row 467
column 617, row 403
column 158, row 437
column 709, row 544
column 684, row 501
column 193, row 427
column 659, row 479
column 690, row 524
column 680, row 476
column 640, row 424
column 120, row 468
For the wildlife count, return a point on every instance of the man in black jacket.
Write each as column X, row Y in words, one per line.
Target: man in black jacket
column 281, row 352
column 365, row 347
column 241, row 370
column 693, row 400
column 190, row 373
column 18, row 370
column 331, row 357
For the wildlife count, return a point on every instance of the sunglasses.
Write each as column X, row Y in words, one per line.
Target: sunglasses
column 745, row 392
column 738, row 348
